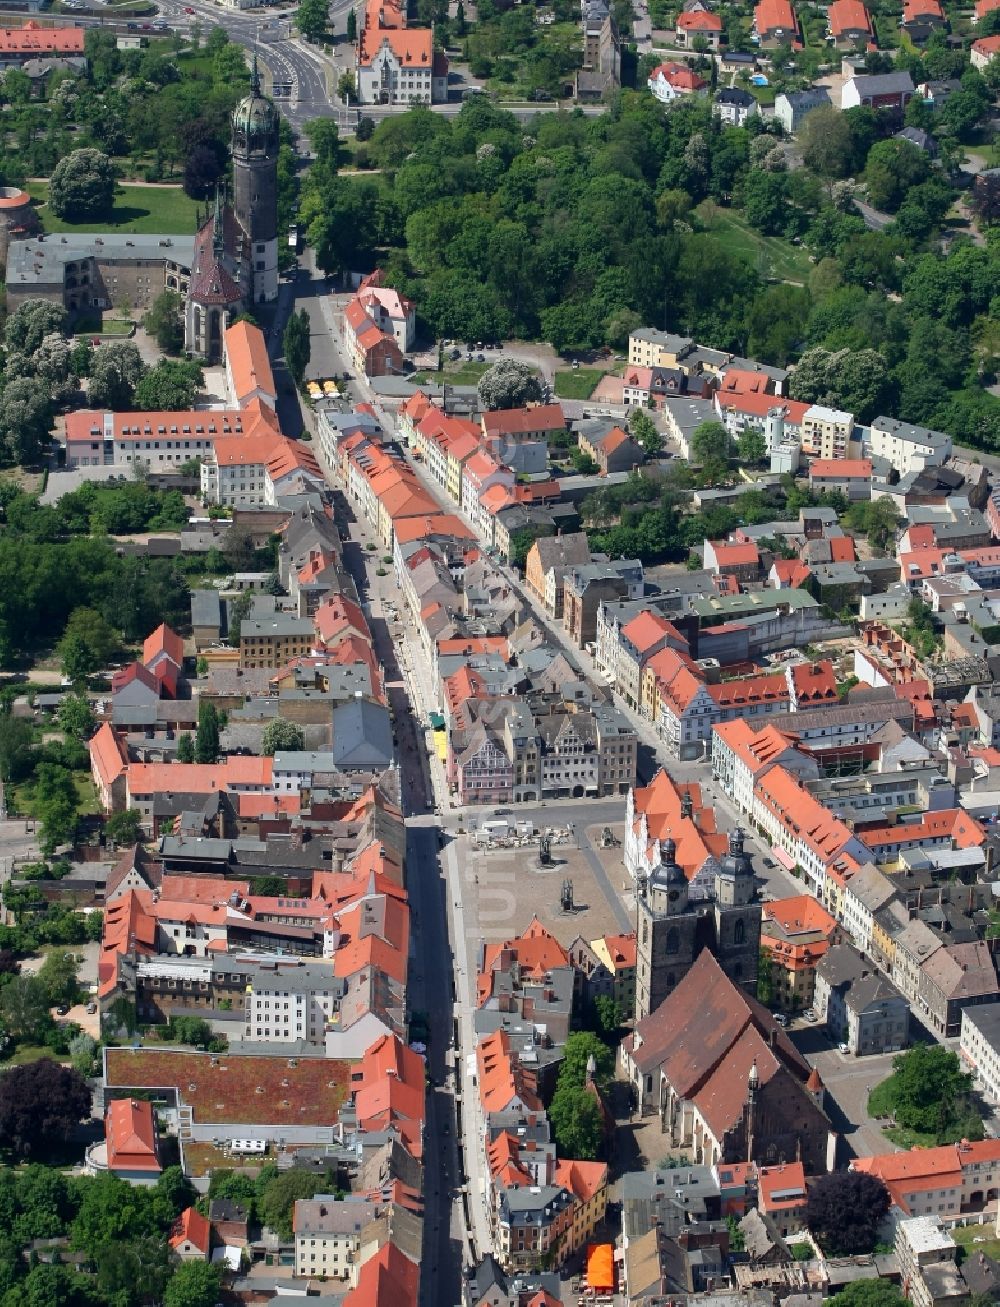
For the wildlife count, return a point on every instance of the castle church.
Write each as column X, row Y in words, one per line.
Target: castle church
column 235, row 262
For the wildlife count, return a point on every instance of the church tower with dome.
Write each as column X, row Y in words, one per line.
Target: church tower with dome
column 672, row 928
column 235, row 263
column 255, row 172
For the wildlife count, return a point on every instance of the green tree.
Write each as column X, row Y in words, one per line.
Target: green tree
column 352, row 26
column 164, row 322
column 311, row 18
column 509, row 383
column 206, row 744
column 115, row 372
column 608, row 1016
column 878, row 519
column 56, row 803
column 929, row 1093
column 76, row 717
column 893, row 167
column 83, row 1054
column 24, row 1009
column 577, row 1122
column 280, row 734
column 278, row 1195
column 185, row 747
column 240, row 609
column 134, row 1272
column 710, row 446
column 31, row 322
column 171, row 386
column 58, row 977
column 297, row 345
column 123, row 828
column 643, row 430
column 17, row 748
column 765, row 977
column 827, row 142
column 577, row 1051
column 751, row 446
column 869, row 1293
column 347, row 86
column 324, row 137
column 82, row 186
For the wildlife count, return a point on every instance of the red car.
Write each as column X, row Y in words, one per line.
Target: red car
column 188, row 9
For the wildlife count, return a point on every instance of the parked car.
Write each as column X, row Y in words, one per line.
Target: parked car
column 844, row 1048
column 809, row 1014
column 769, row 862
column 91, row 1007
column 781, row 1019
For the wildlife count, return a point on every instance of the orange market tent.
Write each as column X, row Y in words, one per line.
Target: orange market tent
column 600, row 1267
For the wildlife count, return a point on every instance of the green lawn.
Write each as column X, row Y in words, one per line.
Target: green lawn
column 141, row 209
column 103, row 326
column 86, row 793
column 969, row 1236
column 458, row 374
column 577, row 383
column 29, row 1053
column 771, row 255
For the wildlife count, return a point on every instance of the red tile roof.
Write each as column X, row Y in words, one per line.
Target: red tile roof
column 814, row 683
column 647, row 629
column 771, row 15
column 838, row 468
column 516, row 421
column 699, row 21
column 781, row 1187
column 33, row 40
column 191, row 1227
column 679, row 76
column 988, row 46
column 246, row 354
column 107, row 754
column 849, row 16
column 131, row 1136
column 163, row 641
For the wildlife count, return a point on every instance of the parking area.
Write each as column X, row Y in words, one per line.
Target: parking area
column 848, row 1081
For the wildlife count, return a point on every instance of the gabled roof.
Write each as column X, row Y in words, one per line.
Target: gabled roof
column 700, row 20
column 849, row 16
column 163, row 641
column 249, row 365
column 131, row 1136
column 515, row 421
column 107, row 754
column 191, row 1227
column 771, row 15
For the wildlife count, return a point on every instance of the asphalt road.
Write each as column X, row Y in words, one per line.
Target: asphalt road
column 430, row 978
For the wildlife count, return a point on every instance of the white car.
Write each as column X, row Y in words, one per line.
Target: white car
column 844, row 1048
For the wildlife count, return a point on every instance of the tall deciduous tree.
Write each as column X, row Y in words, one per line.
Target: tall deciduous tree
column 577, row 1122
column 297, row 345
column 509, row 383
column 115, row 372
column 163, row 321
column 281, row 734
column 844, row 1211
column 82, row 186
column 41, row 1105
column 206, row 745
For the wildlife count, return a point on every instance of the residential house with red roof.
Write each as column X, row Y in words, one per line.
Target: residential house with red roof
column 615, row 451
column 160, row 440
column 850, row 26
column 35, row 41
column 640, row 639
column 984, row 51
column 948, row 1179
column 796, row 933
column 674, row 81
column 775, row 23
column 191, row 1236
column 480, row 473
column 108, row 766
column 665, row 810
column 698, row 29
column 742, row 752
column 132, row 1141
column 921, row 18
column 782, row 1195
column 740, row 561
column 372, row 351
column 848, row 476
